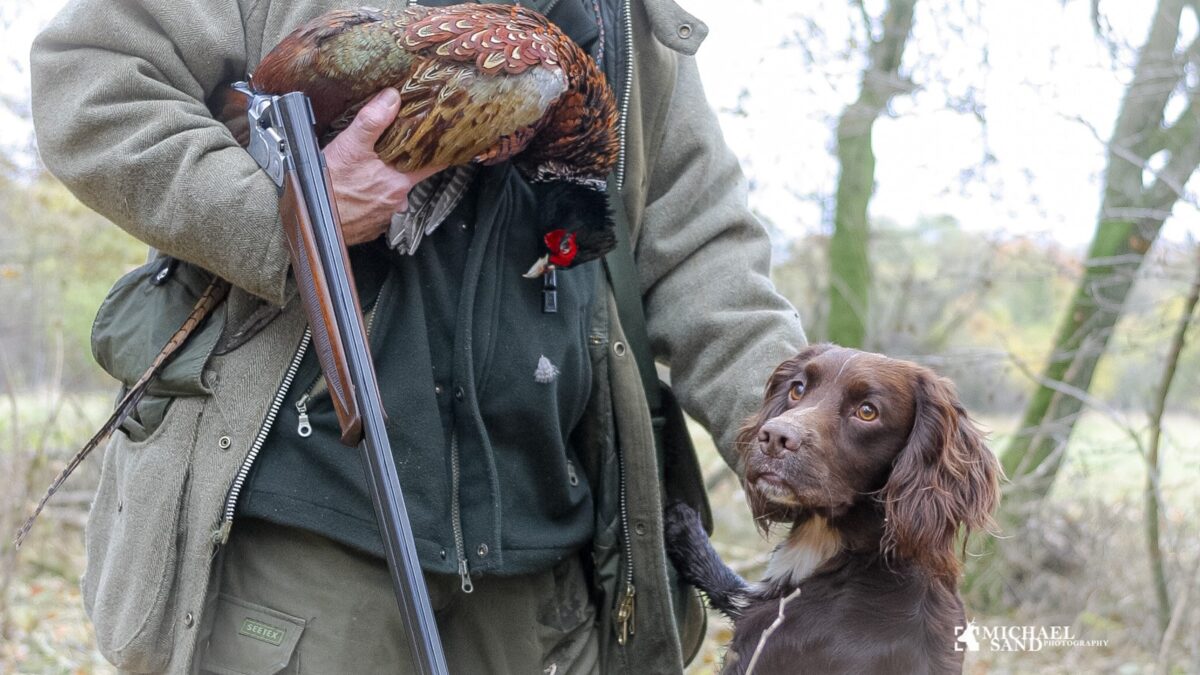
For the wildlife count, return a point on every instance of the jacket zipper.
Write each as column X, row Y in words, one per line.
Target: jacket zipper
column 460, row 548
column 304, row 429
column 260, row 439
column 624, row 617
column 626, row 600
column 627, row 86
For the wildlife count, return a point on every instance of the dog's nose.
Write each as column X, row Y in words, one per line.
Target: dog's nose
column 777, row 437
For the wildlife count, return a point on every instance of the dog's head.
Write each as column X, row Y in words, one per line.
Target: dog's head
column 840, row 428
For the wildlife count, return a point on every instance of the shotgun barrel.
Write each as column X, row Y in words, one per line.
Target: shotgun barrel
column 285, row 145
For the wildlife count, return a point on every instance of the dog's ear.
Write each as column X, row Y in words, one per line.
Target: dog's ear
column 775, row 396
column 944, row 478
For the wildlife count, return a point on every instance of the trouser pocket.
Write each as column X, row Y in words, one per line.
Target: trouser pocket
column 249, row 639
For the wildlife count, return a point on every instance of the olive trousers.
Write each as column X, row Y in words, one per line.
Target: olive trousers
column 290, row 601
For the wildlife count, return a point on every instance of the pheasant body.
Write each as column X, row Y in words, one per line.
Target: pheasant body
column 478, row 83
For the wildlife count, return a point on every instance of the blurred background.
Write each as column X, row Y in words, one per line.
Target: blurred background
column 1001, row 190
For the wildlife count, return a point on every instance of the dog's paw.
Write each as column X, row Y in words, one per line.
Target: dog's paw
column 681, row 524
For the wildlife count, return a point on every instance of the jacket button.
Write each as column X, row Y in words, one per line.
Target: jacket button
column 483, row 550
column 438, row 389
column 224, row 442
column 640, row 528
column 685, row 31
column 619, row 348
column 442, row 553
column 189, row 620
column 459, row 394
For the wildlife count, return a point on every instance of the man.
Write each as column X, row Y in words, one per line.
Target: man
column 228, row 532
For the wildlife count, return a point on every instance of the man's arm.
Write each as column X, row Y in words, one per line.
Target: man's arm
column 119, row 92
column 703, row 259
column 119, row 103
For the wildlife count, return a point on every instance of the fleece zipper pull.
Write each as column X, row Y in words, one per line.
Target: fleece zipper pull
column 303, row 428
column 465, row 575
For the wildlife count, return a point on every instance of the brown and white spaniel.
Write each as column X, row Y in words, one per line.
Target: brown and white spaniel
column 877, row 468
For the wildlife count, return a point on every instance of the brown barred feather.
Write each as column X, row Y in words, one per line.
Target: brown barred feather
column 478, row 83
column 209, row 299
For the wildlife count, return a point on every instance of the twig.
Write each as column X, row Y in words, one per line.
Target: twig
column 762, row 641
column 1153, row 492
column 1164, row 647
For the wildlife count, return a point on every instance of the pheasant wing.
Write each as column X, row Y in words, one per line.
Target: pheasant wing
column 475, row 81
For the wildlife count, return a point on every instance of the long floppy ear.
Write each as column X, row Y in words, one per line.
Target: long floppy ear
column 943, row 479
column 774, row 396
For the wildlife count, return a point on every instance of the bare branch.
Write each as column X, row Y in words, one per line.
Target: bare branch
column 1079, row 394
column 1164, row 648
column 1153, row 491
column 766, row 634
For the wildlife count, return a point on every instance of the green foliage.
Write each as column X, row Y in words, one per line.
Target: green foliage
column 57, row 261
column 981, row 307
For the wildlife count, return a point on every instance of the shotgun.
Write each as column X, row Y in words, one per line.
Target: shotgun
column 284, row 144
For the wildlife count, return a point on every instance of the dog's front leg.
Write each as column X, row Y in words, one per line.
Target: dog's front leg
column 698, row 563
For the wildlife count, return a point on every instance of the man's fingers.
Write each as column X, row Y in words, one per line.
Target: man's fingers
column 370, row 122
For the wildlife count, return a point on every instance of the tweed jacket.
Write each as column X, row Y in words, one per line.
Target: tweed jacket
column 121, row 105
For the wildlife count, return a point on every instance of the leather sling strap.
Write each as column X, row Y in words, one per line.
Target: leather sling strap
column 621, row 269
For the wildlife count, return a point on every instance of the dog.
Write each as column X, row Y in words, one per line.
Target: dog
column 876, row 467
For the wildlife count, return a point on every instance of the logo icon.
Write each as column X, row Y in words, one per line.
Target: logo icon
column 966, row 639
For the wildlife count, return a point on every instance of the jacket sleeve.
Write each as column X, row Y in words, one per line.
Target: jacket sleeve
column 119, row 107
column 704, row 260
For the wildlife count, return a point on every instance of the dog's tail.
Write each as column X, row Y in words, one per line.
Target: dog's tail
column 698, row 563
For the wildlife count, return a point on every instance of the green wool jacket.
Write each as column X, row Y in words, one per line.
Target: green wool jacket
column 121, row 105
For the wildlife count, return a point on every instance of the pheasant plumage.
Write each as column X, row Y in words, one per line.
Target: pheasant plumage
column 478, row 84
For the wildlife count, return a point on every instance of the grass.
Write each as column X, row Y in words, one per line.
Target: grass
column 1092, row 519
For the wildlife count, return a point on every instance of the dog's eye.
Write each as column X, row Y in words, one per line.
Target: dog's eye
column 867, row 412
column 796, row 391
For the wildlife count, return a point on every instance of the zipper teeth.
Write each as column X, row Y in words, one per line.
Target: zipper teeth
column 624, row 500
column 239, row 481
column 626, row 88
column 460, row 547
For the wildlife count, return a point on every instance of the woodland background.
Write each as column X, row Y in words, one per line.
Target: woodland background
column 1001, row 190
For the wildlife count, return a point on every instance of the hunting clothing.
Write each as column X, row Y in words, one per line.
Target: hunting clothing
column 121, row 95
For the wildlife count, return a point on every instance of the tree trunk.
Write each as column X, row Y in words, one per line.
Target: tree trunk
column 1131, row 215
column 850, row 272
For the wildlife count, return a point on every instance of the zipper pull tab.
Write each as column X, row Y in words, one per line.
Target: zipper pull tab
column 303, row 428
column 465, row 575
column 625, row 619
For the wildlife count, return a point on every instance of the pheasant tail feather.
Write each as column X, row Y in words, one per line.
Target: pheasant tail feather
column 209, row 299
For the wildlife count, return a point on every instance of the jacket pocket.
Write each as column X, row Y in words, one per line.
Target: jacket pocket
column 250, row 639
column 140, row 314
column 133, row 541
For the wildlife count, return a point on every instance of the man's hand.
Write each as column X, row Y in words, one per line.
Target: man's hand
column 366, row 190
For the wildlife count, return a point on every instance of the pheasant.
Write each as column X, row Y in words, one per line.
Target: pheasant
column 479, row 84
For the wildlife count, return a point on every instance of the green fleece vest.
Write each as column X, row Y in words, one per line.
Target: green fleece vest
column 482, row 391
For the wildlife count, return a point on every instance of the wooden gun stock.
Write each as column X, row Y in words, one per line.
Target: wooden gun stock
column 315, row 296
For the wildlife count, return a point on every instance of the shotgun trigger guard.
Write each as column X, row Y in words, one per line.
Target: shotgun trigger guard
column 267, row 146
